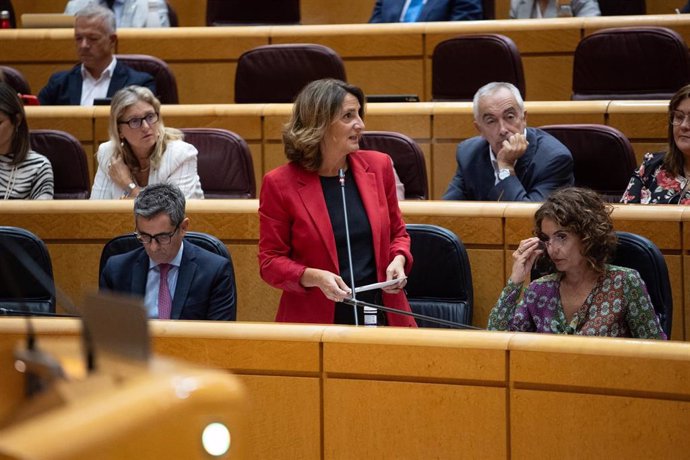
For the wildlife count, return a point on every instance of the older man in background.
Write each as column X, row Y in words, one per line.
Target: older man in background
column 508, row 161
column 99, row 75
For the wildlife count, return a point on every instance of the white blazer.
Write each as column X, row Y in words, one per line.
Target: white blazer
column 178, row 167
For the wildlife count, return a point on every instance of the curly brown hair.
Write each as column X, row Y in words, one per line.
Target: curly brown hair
column 582, row 211
column 315, row 108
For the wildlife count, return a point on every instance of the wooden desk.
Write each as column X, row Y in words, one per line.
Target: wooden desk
column 381, row 58
column 75, row 232
column 474, row 394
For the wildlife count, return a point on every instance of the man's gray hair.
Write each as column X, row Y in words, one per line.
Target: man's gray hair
column 492, row 88
column 95, row 11
column 158, row 199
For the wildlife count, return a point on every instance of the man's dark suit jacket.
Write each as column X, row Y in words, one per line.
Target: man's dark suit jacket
column 545, row 166
column 434, row 10
column 205, row 283
column 64, row 87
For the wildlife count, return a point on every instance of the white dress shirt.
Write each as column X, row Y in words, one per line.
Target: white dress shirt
column 96, row 87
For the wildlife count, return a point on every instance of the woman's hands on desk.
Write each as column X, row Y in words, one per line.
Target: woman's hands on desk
column 332, row 285
column 524, row 257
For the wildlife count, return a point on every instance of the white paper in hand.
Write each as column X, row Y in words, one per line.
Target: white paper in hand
column 380, row 285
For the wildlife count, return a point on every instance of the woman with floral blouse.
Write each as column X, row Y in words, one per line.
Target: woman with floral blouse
column 665, row 177
column 585, row 295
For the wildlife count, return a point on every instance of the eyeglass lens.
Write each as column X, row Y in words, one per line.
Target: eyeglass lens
column 150, row 119
column 678, row 117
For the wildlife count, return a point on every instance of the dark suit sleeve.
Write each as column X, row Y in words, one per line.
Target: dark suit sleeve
column 222, row 298
column 554, row 170
column 51, row 91
column 105, row 280
column 456, row 187
column 376, row 13
column 143, row 79
column 466, row 10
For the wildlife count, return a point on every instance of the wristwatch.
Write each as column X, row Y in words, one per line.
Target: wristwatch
column 503, row 173
column 130, row 188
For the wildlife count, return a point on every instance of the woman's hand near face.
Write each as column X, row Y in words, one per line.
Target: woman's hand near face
column 119, row 172
column 332, row 285
column 524, row 257
column 395, row 270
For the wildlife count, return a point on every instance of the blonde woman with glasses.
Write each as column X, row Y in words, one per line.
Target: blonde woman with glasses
column 664, row 178
column 584, row 295
column 142, row 151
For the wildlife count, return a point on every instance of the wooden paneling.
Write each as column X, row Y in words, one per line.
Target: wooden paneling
column 381, row 58
column 544, row 425
column 332, row 392
column 362, row 417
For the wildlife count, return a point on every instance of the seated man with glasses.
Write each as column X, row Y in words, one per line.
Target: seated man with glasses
column 177, row 279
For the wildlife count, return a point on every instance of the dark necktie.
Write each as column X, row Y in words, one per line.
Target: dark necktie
column 164, row 297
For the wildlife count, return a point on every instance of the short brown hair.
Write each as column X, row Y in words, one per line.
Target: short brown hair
column 315, row 108
column 582, row 211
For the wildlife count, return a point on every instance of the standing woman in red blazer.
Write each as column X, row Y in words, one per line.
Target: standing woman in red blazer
column 302, row 242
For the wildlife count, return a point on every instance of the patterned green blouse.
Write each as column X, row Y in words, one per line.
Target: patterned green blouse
column 618, row 306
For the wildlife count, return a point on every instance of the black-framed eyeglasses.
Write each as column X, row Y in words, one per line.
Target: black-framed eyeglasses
column 161, row 238
column 135, row 123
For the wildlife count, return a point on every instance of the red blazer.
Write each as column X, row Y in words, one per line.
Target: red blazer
column 295, row 233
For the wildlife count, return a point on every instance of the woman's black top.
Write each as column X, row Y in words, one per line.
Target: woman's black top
column 363, row 260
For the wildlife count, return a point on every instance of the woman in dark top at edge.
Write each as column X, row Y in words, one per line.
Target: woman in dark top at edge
column 302, row 241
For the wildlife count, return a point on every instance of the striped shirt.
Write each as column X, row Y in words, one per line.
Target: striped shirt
column 30, row 179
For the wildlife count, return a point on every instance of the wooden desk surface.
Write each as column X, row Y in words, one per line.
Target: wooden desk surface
column 394, row 389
